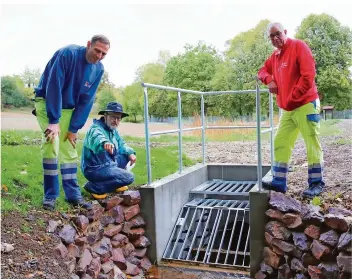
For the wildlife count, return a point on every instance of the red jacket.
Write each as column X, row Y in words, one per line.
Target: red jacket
column 293, row 70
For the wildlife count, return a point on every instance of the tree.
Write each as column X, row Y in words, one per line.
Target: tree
column 12, row 92
column 105, row 82
column 331, row 45
column 31, row 77
column 133, row 100
column 105, row 96
column 194, row 69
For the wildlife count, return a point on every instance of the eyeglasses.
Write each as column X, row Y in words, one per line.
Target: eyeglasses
column 276, row 34
column 117, row 118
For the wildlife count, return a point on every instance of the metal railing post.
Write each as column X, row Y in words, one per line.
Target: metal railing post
column 179, row 107
column 271, row 121
column 259, row 145
column 203, row 129
column 147, row 135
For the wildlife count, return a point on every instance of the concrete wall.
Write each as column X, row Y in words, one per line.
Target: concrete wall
column 235, row 172
column 257, row 220
column 161, row 204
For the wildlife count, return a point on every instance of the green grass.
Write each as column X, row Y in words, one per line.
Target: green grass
column 329, row 127
column 343, row 141
column 22, row 175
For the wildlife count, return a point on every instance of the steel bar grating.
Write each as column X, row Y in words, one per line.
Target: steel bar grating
column 223, row 186
column 213, row 232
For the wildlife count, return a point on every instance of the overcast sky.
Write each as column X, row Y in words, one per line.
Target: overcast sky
column 30, row 34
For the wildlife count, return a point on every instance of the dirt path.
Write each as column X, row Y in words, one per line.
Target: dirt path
column 25, row 121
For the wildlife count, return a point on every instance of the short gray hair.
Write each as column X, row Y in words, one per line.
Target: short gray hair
column 272, row 24
column 100, row 38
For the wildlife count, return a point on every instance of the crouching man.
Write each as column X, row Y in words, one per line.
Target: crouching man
column 105, row 154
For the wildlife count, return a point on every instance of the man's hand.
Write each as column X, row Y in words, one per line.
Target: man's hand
column 109, row 147
column 132, row 158
column 272, row 87
column 51, row 132
column 72, row 138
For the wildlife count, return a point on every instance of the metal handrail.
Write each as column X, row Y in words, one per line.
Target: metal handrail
column 180, row 129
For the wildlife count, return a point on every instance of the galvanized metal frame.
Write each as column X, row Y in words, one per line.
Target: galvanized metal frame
column 203, row 128
column 226, row 214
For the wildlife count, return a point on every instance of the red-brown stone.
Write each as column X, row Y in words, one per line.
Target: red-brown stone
column 312, row 231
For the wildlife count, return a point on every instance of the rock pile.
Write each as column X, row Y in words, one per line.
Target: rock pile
column 302, row 242
column 106, row 242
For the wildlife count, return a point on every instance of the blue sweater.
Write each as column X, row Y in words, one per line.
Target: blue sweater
column 69, row 82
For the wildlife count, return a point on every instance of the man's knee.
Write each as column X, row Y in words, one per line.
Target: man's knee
column 129, row 178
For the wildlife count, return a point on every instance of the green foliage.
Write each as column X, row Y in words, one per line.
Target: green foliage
column 331, row 44
column 12, row 92
column 31, row 77
column 316, row 201
column 133, row 96
column 105, row 96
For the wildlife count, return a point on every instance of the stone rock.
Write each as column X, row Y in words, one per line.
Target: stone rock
column 70, row 264
column 278, row 251
column 300, row 276
column 340, row 211
column 330, row 270
column 267, row 269
column 314, row 272
column 103, row 248
column 119, row 240
column 337, row 222
column 118, row 258
column 112, row 230
column 111, row 202
column 73, row 250
column 128, row 249
column 284, row 203
column 141, row 242
column 95, row 213
column 103, row 276
column 84, row 262
column 345, row 276
column 298, row 266
column 136, row 233
column 277, row 230
column 319, row 249
column 132, row 269
column 67, row 234
column 311, row 215
column 107, row 267
column 287, row 248
column 86, row 276
column 260, row 275
column 131, row 211
column 330, row 238
column 345, row 242
column 274, row 214
column 292, row 220
column 80, row 241
column 106, row 220
column 139, row 253
column 74, row 276
column 146, row 264
column 301, row 241
column 272, row 259
column 81, row 222
column 284, row 272
column 95, row 232
column 133, row 260
column 131, row 198
column 52, row 226
column 312, row 231
column 118, row 274
column 268, row 238
column 61, row 250
column 344, row 262
column 308, row 259
column 137, row 222
column 117, row 213
column 127, row 226
column 94, row 268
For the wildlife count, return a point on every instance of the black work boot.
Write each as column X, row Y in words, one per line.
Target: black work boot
column 269, row 185
column 315, row 189
column 49, row 204
column 80, row 202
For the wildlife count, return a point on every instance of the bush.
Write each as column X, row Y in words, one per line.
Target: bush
column 105, row 96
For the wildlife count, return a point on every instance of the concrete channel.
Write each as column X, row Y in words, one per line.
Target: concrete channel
column 209, row 217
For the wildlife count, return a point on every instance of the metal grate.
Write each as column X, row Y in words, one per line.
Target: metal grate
column 222, row 189
column 210, row 231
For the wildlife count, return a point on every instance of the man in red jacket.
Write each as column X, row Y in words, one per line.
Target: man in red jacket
column 289, row 73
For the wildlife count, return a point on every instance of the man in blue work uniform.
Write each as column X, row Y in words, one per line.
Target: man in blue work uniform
column 63, row 100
